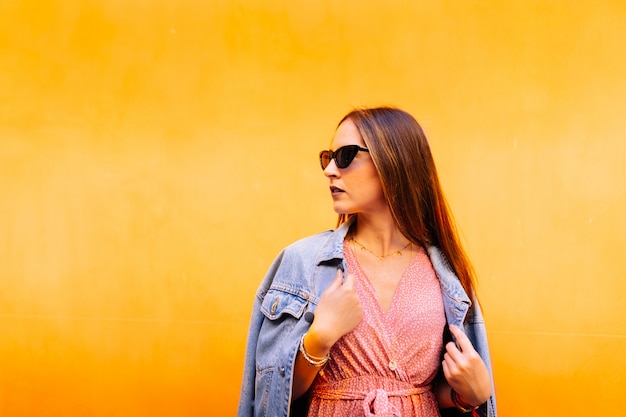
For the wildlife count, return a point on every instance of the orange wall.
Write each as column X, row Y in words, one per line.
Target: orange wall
column 155, row 157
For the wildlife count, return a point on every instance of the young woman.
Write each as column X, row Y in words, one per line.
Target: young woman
column 378, row 317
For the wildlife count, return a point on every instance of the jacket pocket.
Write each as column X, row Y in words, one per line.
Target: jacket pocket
column 276, row 347
column 279, row 304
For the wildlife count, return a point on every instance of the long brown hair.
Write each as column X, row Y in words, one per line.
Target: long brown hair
column 410, row 183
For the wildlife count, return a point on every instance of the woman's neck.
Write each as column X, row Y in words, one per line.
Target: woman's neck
column 378, row 233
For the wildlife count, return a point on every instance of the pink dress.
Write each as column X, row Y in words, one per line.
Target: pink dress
column 385, row 367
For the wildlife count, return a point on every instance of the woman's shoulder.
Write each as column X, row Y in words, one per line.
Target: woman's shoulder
column 310, row 243
column 299, row 259
column 321, row 246
column 317, row 248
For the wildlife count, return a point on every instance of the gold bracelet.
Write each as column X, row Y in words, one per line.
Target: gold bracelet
column 312, row 360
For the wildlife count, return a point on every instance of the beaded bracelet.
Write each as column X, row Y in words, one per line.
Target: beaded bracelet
column 312, row 360
column 463, row 407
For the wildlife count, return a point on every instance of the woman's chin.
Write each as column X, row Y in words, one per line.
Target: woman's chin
column 341, row 209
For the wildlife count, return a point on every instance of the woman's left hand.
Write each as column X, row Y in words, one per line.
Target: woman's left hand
column 465, row 370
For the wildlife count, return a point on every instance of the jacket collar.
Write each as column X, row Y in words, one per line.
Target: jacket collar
column 450, row 284
column 332, row 249
column 451, row 288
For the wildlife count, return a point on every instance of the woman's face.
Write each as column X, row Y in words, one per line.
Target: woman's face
column 356, row 188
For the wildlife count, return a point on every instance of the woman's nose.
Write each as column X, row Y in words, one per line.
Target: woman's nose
column 331, row 169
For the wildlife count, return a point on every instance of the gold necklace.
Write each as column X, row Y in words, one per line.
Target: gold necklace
column 380, row 257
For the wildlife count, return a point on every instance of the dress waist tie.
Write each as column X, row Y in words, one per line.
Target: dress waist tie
column 375, row 402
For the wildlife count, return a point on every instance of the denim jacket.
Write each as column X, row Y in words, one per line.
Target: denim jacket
column 293, row 286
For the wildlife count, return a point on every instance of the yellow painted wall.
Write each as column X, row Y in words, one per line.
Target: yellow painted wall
column 156, row 155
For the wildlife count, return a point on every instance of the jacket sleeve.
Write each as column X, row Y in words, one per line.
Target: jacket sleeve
column 477, row 333
column 466, row 314
column 246, row 396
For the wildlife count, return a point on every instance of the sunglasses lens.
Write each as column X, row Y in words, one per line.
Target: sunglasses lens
column 345, row 155
column 325, row 158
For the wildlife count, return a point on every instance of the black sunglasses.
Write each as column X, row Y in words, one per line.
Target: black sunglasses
column 342, row 156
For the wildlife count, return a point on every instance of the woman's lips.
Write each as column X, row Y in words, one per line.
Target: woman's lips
column 335, row 189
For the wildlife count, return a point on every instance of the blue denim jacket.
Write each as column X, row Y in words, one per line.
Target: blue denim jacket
column 293, row 286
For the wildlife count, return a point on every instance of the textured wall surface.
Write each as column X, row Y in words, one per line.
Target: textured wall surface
column 156, row 156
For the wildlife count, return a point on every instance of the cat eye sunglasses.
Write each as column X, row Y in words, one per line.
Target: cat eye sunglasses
column 342, row 156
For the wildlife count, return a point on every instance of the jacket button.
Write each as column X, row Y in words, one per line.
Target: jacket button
column 393, row 365
column 273, row 309
column 281, row 370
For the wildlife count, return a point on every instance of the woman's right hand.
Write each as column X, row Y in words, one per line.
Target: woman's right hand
column 338, row 312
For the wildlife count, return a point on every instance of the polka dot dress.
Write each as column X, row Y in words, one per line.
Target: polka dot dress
column 385, row 367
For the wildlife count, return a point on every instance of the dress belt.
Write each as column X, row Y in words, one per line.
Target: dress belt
column 376, row 401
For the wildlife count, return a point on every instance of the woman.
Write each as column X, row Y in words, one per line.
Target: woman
column 354, row 321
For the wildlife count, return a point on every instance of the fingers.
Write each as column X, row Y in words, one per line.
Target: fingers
column 461, row 339
column 447, row 372
column 337, row 281
column 348, row 282
column 453, row 353
column 338, row 311
column 461, row 353
column 464, row 369
column 457, row 356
